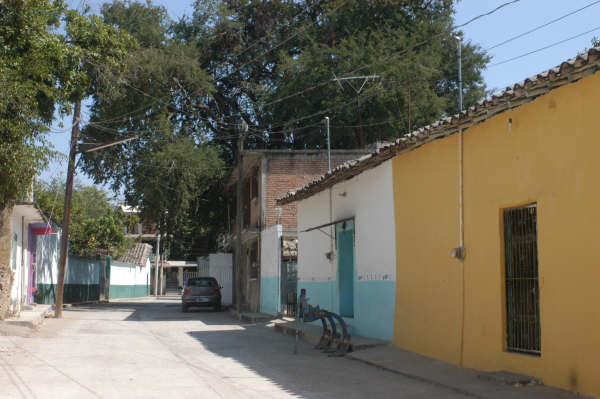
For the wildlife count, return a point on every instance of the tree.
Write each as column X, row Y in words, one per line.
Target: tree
column 173, row 163
column 270, row 64
column 274, row 64
column 97, row 226
column 30, row 70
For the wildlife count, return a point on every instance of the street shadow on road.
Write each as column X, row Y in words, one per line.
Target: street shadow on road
column 163, row 310
column 261, row 352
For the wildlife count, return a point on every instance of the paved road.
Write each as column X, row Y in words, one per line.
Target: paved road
column 149, row 349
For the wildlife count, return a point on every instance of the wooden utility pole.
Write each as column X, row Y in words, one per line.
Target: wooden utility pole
column 64, row 242
column 239, row 219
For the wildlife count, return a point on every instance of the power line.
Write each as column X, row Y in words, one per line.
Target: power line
column 487, row 13
column 542, row 26
column 544, row 48
column 335, row 106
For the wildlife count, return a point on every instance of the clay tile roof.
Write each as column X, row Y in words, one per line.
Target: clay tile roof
column 137, row 255
column 512, row 97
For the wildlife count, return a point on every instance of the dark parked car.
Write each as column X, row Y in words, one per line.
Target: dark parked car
column 201, row 291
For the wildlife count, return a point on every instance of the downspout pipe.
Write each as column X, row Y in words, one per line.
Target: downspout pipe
column 461, row 247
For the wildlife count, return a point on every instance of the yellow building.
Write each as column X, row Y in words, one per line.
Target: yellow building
column 526, row 296
column 497, row 222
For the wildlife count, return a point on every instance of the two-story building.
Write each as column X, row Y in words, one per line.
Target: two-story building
column 269, row 231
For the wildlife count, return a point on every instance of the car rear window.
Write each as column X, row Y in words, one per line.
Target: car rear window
column 202, row 282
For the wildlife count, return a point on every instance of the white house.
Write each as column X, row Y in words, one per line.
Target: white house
column 28, row 225
column 346, row 248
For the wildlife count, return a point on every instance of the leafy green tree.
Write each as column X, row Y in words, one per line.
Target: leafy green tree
column 271, row 64
column 274, row 64
column 96, row 223
column 104, row 234
column 173, row 163
column 89, row 202
column 30, row 69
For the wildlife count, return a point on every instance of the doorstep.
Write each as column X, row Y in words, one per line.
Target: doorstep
column 30, row 317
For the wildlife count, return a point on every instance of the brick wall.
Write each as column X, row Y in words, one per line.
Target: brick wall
column 285, row 173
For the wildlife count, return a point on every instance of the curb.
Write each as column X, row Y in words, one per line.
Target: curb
column 250, row 319
column 69, row 305
column 418, row 378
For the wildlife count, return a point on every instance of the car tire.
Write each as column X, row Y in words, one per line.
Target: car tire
column 184, row 308
column 217, row 307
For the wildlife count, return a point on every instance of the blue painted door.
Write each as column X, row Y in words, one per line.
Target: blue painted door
column 345, row 253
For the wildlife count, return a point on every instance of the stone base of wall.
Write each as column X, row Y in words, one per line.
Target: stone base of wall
column 6, row 274
column 128, row 291
column 6, row 280
column 74, row 293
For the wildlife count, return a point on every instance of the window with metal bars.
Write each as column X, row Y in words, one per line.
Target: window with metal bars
column 521, row 280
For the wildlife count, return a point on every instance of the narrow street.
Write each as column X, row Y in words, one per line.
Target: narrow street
column 150, row 349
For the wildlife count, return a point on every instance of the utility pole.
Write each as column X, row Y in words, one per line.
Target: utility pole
column 460, row 106
column 64, row 242
column 409, row 121
column 243, row 128
column 328, row 145
column 156, row 264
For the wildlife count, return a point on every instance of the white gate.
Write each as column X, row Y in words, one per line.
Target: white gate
column 221, row 269
column 187, row 275
column 203, row 266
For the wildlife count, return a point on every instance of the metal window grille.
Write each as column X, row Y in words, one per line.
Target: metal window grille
column 521, row 279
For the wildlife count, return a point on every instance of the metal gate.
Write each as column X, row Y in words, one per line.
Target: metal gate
column 289, row 286
column 521, row 279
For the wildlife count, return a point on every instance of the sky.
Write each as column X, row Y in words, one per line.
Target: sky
column 511, row 20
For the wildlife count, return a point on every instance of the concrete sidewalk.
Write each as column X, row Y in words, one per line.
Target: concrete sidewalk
column 27, row 321
column 468, row 382
column 312, row 333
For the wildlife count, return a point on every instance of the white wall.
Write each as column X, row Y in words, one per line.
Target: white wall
column 220, row 265
column 46, row 263
column 369, row 198
column 270, row 269
column 16, row 292
column 270, row 252
column 126, row 275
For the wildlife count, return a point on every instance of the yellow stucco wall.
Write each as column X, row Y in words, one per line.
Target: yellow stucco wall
column 428, row 296
column 549, row 157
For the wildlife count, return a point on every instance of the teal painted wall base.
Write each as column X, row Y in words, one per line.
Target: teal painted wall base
column 74, row 293
column 374, row 303
column 128, row 291
column 269, row 295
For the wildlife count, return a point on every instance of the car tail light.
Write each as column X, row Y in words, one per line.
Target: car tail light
column 217, row 292
column 186, row 291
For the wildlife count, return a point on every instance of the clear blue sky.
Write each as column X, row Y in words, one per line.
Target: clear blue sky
column 487, row 31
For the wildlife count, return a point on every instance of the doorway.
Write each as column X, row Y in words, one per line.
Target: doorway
column 345, row 250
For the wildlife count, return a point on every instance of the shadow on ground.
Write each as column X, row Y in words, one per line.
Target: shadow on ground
column 166, row 309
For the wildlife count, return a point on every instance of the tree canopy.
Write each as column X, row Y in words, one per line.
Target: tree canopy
column 30, row 71
column 97, row 224
column 190, row 82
